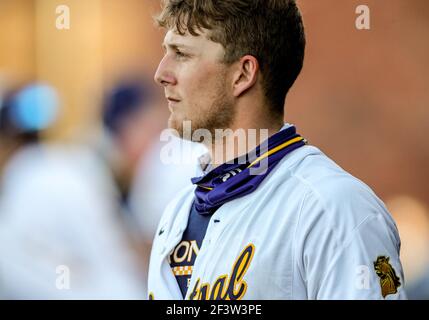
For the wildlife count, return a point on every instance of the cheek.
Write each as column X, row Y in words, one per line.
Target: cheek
column 200, row 80
column 191, row 83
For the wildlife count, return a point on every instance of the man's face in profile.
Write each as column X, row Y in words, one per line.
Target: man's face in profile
column 196, row 82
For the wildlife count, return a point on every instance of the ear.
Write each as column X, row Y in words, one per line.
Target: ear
column 246, row 75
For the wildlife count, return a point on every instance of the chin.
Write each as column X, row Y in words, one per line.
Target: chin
column 176, row 125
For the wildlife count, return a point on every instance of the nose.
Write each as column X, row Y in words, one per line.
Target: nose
column 164, row 75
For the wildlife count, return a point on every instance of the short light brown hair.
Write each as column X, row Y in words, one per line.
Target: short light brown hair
column 270, row 30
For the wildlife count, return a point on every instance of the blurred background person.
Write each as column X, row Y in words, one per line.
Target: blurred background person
column 147, row 176
column 60, row 229
column 114, row 182
column 166, row 169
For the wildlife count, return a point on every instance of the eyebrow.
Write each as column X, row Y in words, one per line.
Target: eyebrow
column 174, row 46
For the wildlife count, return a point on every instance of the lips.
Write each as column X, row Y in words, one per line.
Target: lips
column 172, row 103
column 172, row 99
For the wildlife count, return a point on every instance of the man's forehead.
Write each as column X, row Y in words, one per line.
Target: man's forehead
column 176, row 39
column 196, row 44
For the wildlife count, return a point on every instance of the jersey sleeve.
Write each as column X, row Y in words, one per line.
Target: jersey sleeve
column 368, row 267
column 350, row 248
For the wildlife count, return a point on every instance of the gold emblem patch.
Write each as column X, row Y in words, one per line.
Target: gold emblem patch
column 389, row 282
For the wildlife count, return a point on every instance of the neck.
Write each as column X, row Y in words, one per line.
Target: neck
column 242, row 137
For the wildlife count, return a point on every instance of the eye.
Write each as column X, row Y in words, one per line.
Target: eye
column 180, row 54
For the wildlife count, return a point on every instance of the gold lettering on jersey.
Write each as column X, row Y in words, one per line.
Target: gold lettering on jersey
column 193, row 250
column 219, row 288
column 176, row 258
column 227, row 287
column 185, row 250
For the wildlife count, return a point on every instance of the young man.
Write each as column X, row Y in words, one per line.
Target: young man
column 299, row 227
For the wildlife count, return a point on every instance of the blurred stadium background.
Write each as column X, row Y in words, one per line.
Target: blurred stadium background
column 363, row 98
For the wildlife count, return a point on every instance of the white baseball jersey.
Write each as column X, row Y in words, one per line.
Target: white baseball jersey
column 310, row 231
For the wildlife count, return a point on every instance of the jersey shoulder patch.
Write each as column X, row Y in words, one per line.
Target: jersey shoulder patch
column 389, row 281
